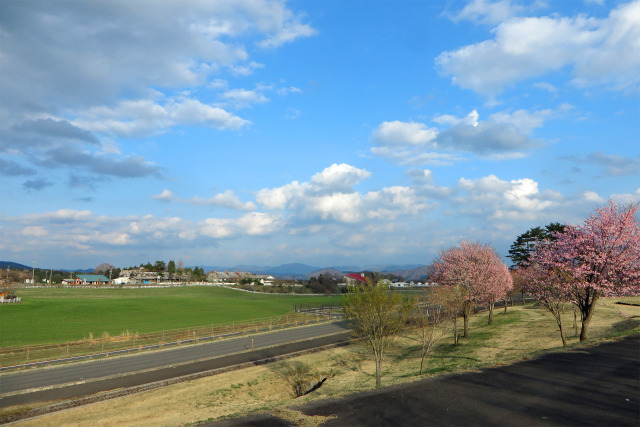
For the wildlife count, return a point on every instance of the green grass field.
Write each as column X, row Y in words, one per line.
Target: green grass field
column 55, row 315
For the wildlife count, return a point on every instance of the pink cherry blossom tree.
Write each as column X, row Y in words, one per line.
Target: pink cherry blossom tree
column 476, row 271
column 547, row 285
column 596, row 259
column 498, row 283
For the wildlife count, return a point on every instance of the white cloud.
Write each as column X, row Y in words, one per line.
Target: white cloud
column 243, row 98
column 279, row 198
column 165, row 196
column 330, row 196
column 592, row 196
column 518, row 199
column 339, row 177
column 143, row 117
column 627, row 198
column 403, row 134
column 487, row 11
column 227, row 199
column 600, row 52
column 504, row 135
column 35, row 231
column 115, row 47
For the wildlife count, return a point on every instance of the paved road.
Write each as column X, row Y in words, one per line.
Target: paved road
column 594, row 386
column 126, row 366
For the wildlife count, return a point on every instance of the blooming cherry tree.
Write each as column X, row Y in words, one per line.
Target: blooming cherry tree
column 596, row 259
column 478, row 273
column 546, row 285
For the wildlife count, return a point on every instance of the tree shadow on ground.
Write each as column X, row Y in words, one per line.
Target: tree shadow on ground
column 623, row 326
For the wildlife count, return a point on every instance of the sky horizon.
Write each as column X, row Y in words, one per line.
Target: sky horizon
column 324, row 133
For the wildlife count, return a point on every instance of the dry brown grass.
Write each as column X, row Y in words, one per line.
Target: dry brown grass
column 523, row 333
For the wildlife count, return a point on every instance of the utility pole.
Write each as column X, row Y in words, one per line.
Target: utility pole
column 33, row 273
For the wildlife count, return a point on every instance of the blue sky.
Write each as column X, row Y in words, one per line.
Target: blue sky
column 322, row 132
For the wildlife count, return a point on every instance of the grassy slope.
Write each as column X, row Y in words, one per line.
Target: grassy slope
column 58, row 315
column 521, row 334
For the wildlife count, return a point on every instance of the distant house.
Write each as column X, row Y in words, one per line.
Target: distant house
column 92, row 279
column 265, row 279
column 355, row 279
column 222, row 277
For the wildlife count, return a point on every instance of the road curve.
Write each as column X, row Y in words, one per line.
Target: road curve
column 100, row 375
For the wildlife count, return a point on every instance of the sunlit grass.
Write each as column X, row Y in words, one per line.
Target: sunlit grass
column 52, row 315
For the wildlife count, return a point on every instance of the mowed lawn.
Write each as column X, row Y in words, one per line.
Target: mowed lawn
column 53, row 315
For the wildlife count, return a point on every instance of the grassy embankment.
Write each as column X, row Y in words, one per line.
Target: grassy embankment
column 523, row 333
column 55, row 315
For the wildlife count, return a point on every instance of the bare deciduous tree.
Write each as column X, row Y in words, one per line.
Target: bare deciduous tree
column 378, row 316
column 433, row 313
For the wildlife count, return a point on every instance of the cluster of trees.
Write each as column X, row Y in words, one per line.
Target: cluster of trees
column 176, row 271
column 468, row 275
column 557, row 265
column 577, row 265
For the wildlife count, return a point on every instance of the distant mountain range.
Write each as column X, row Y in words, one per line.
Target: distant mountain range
column 15, row 266
column 287, row 271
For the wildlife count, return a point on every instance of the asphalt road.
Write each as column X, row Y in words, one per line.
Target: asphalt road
column 86, row 378
column 594, row 386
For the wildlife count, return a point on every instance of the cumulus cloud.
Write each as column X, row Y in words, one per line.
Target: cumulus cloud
column 339, row 178
column 517, row 199
column 105, row 49
column 330, row 196
column 503, row 135
column 243, row 98
column 599, row 52
column 75, row 76
column 142, row 117
column 82, row 232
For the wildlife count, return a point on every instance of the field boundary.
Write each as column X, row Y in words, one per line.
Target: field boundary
column 108, row 346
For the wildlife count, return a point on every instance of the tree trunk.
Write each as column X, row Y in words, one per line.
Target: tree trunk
column 491, row 305
column 455, row 330
column 587, row 312
column 575, row 320
column 556, row 310
column 378, row 371
column 506, row 301
column 465, row 330
column 468, row 308
column 564, row 340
